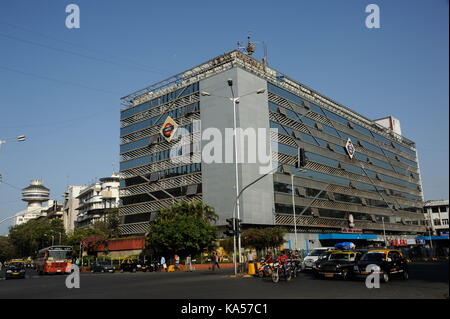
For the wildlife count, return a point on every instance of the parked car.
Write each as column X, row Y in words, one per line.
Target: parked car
column 310, row 260
column 15, row 269
column 143, row 266
column 390, row 262
column 128, row 264
column 339, row 264
column 102, row 266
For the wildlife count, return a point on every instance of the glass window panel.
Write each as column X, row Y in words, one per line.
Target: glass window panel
column 330, row 130
column 308, row 138
column 283, row 93
column 335, row 117
column 322, row 159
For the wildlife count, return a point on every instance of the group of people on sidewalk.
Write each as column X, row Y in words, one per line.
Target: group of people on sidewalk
column 176, row 263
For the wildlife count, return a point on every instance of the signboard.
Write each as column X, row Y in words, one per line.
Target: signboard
column 168, row 129
column 420, row 241
column 350, row 148
column 351, row 231
column 398, row 242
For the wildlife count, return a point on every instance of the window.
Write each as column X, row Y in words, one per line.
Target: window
column 330, row 130
column 283, row 93
column 335, row 117
column 191, row 189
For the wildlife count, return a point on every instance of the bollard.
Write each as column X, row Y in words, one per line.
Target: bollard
column 251, row 269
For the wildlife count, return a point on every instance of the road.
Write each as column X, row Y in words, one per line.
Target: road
column 427, row 281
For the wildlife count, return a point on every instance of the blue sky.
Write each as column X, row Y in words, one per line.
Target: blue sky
column 61, row 87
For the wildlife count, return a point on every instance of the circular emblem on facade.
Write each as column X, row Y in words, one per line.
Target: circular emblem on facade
column 350, row 148
column 168, row 128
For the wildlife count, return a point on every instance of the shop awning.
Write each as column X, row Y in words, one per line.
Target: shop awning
column 432, row 237
column 347, row 236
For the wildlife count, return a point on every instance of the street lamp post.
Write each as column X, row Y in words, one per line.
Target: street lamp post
column 293, row 209
column 19, row 138
column 235, row 101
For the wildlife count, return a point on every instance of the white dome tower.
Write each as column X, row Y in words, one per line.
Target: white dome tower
column 35, row 194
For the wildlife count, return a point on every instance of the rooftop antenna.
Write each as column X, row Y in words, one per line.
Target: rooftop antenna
column 249, row 47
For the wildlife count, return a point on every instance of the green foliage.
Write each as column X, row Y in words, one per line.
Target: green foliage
column 110, row 227
column 7, row 250
column 88, row 238
column 36, row 234
column 227, row 244
column 261, row 238
column 194, row 208
column 182, row 234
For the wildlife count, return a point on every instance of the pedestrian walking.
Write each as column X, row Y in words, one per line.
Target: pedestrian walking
column 213, row 261
column 163, row 263
column 216, row 261
column 177, row 261
column 189, row 262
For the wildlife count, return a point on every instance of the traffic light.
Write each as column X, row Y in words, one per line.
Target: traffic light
column 230, row 227
column 238, row 226
column 302, row 159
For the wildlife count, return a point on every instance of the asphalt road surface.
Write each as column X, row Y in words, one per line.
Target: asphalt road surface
column 427, row 281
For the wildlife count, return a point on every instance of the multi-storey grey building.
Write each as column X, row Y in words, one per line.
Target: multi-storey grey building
column 375, row 194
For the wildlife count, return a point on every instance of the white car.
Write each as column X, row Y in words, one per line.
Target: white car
column 310, row 260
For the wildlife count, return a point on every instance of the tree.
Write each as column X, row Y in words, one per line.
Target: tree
column 88, row 239
column 36, row 234
column 184, row 229
column 7, row 250
column 194, row 208
column 261, row 238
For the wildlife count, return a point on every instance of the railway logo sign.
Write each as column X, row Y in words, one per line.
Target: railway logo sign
column 168, row 129
column 350, row 148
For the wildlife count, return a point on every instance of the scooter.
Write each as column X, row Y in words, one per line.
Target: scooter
column 265, row 269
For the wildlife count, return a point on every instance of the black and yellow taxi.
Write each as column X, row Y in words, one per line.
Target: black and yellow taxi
column 128, row 264
column 15, row 269
column 386, row 262
column 337, row 264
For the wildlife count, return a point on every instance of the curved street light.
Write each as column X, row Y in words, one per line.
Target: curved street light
column 20, row 138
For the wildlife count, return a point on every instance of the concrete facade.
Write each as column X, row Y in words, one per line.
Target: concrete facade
column 219, row 179
column 378, row 190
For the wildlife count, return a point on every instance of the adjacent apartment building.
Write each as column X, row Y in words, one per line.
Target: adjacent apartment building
column 362, row 179
column 95, row 199
column 71, row 203
column 436, row 213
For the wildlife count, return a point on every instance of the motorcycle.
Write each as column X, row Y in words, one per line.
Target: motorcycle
column 154, row 266
column 295, row 267
column 265, row 269
column 279, row 271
